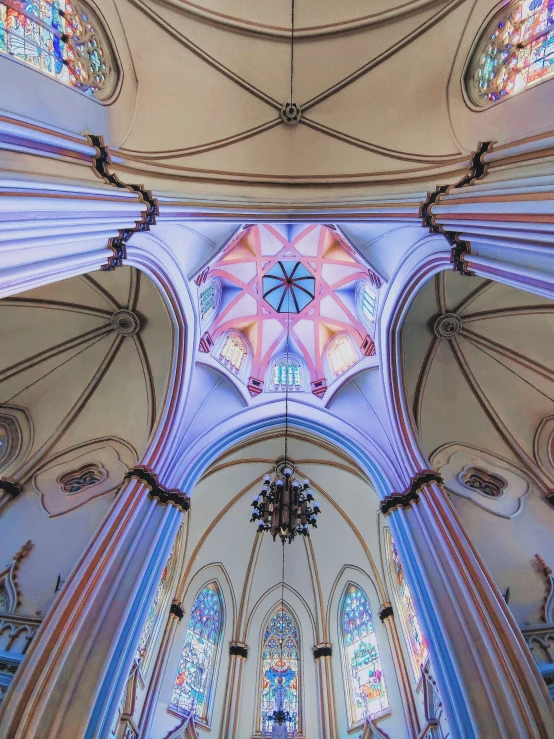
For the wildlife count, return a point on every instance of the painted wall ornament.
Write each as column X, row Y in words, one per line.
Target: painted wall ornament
column 547, row 607
column 491, row 482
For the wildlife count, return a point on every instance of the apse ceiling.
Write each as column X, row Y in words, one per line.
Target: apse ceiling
column 300, row 279
column 373, row 98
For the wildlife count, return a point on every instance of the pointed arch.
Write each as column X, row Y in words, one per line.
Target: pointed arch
column 280, row 672
column 194, row 686
column 413, row 635
column 233, row 351
column 363, row 673
column 340, row 354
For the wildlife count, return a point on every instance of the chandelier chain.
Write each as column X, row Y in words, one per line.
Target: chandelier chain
column 292, row 50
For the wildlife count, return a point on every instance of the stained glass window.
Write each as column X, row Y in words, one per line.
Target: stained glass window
column 233, row 352
column 195, row 673
column 405, row 604
column 287, row 373
column 367, row 695
column 515, row 51
column 154, row 612
column 209, row 301
column 61, row 38
column 369, row 303
column 341, row 354
column 280, row 671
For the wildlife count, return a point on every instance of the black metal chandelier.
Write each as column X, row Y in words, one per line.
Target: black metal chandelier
column 285, row 507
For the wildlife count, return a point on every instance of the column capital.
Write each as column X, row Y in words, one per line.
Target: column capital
column 158, row 491
column 411, row 495
column 11, row 488
column 177, row 610
column 238, row 649
column 386, row 612
column 323, row 650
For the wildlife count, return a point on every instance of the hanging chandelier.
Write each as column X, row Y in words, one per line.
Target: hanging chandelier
column 285, row 507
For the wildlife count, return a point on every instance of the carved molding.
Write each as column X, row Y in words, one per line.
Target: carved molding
column 238, row 649
column 460, row 247
column 411, row 495
column 159, row 492
column 9, row 581
column 547, row 605
column 323, row 650
column 118, row 244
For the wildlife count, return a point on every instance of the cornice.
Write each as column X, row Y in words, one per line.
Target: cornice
column 411, row 495
column 159, row 492
column 118, row 244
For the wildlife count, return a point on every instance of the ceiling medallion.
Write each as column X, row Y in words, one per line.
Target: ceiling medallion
column 126, row 322
column 290, row 114
column 448, row 325
column 288, row 287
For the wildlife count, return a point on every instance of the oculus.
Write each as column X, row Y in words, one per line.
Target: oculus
column 288, row 287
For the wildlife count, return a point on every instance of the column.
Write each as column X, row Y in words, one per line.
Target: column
column 328, row 725
column 486, row 676
column 386, row 614
column 238, row 653
column 176, row 614
column 78, row 664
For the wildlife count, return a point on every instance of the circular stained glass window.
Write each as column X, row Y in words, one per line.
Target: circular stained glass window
column 288, row 287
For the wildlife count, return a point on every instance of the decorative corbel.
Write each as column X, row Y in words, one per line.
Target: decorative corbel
column 238, row 649
column 177, row 609
column 323, row 650
column 157, row 491
column 411, row 495
column 385, row 612
column 118, row 244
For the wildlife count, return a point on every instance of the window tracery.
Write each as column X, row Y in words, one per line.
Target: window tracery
column 341, row 355
column 280, row 671
column 287, row 372
column 209, row 299
column 61, row 38
column 515, row 51
column 417, row 646
column 194, row 683
column 367, row 694
column 233, row 353
column 485, row 482
column 366, row 300
column 154, row 612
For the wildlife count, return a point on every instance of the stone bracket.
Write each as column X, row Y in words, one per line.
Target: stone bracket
column 385, row 612
column 177, row 610
column 158, row 491
column 323, row 650
column 411, row 495
column 118, row 244
column 238, row 649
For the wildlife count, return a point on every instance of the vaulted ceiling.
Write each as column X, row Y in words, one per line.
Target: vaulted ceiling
column 330, row 267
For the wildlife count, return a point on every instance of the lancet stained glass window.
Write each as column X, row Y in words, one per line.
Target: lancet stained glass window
column 367, row 695
column 287, row 373
column 233, row 352
column 341, row 355
column 369, row 303
column 280, row 671
column 61, row 38
column 209, row 300
column 408, row 618
column 154, row 612
column 515, row 51
column 195, row 673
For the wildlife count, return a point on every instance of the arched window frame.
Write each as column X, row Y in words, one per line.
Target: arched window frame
column 500, row 14
column 330, row 374
column 215, row 285
column 206, row 717
column 353, row 721
column 243, row 372
column 259, row 683
column 418, row 658
column 101, row 31
column 303, row 385
column 365, row 290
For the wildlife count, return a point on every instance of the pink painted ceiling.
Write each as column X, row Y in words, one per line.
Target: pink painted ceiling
column 333, row 263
